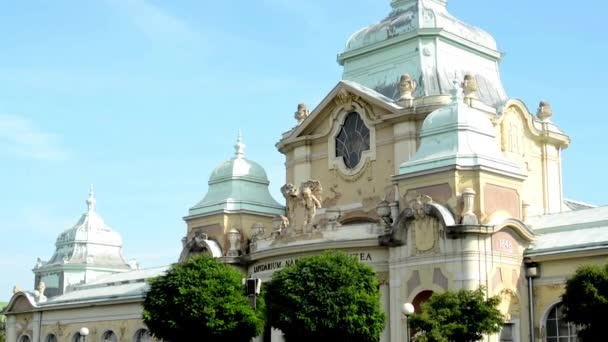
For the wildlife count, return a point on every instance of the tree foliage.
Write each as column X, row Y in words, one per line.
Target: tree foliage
column 329, row 297
column 462, row 316
column 586, row 301
column 201, row 297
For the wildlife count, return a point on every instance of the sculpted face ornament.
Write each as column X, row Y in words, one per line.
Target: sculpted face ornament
column 302, row 113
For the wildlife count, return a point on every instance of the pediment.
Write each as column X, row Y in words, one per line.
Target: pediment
column 346, row 95
column 20, row 302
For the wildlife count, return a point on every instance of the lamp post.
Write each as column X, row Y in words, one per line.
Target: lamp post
column 407, row 309
column 84, row 332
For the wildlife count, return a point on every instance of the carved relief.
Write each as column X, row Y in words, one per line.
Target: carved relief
column 195, row 246
column 512, row 133
column 425, row 229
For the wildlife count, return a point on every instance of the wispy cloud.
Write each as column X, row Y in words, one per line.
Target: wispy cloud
column 153, row 21
column 21, row 137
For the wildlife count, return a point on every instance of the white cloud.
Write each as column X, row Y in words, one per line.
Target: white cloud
column 21, row 137
column 153, row 21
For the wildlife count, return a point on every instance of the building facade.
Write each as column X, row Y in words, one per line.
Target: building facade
column 417, row 163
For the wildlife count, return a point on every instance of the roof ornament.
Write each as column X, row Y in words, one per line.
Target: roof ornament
column 302, row 113
column 239, row 147
column 407, row 86
column 91, row 200
column 544, row 111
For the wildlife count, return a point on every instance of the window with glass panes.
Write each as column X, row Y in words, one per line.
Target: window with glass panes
column 557, row 329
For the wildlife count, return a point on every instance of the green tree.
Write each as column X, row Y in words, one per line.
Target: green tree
column 329, row 297
column 2, row 323
column 201, row 298
column 586, row 301
column 462, row 316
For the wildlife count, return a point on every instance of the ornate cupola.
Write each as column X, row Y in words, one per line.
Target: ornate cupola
column 422, row 39
column 237, row 200
column 86, row 251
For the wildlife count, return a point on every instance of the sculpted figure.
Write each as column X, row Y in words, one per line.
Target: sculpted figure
column 195, row 246
column 301, row 113
column 310, row 192
column 544, row 110
column 407, row 86
column 290, row 192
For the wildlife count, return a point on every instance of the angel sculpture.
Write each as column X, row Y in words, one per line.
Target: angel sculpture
column 309, row 195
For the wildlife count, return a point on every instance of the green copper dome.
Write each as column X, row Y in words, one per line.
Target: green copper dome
column 238, row 185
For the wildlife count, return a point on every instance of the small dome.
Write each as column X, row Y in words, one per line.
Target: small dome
column 238, row 184
column 457, row 136
column 410, row 15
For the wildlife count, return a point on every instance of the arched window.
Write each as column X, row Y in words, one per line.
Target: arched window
column 24, row 338
column 50, row 338
column 557, row 329
column 77, row 337
column 142, row 335
column 109, row 336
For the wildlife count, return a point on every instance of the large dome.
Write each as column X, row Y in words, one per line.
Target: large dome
column 237, row 185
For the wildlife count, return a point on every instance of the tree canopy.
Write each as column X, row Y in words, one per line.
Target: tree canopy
column 586, row 301
column 201, row 297
column 461, row 316
column 329, row 297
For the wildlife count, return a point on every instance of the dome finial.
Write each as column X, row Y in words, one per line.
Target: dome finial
column 239, row 147
column 91, row 200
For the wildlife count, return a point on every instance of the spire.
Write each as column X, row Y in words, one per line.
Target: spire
column 91, row 200
column 239, row 147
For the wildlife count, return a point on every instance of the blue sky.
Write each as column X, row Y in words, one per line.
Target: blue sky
column 144, row 97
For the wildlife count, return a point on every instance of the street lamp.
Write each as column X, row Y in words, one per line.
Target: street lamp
column 407, row 309
column 84, row 332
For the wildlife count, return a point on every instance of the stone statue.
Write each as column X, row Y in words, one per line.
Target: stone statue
column 301, row 113
column 290, row 192
column 16, row 289
column 310, row 193
column 280, row 226
column 407, row 86
column 544, row 111
column 41, row 289
column 470, row 87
